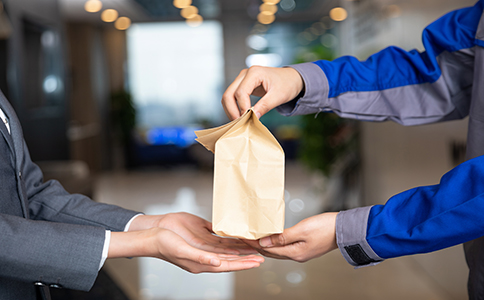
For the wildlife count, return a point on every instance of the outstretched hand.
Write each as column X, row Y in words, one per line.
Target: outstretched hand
column 310, row 238
column 276, row 86
column 167, row 245
column 196, row 231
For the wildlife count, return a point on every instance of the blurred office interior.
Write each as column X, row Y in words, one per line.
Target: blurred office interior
column 109, row 93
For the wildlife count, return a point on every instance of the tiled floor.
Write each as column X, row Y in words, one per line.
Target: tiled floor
column 440, row 275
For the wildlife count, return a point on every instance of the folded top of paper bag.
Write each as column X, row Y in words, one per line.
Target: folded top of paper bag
column 248, row 200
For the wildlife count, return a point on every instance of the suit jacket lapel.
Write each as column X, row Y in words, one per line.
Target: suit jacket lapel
column 16, row 143
column 15, row 135
column 8, row 138
column 6, row 134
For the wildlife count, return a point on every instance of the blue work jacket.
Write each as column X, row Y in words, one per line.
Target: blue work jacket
column 444, row 82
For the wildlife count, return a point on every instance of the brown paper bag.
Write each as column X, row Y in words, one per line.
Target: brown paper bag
column 248, row 188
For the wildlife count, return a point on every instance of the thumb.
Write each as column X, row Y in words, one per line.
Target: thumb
column 278, row 240
column 269, row 101
column 262, row 106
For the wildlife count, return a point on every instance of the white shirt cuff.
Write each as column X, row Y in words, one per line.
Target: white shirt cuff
column 107, row 240
column 126, row 228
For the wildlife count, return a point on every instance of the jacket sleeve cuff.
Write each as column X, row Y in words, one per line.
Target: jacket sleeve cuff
column 315, row 95
column 351, row 228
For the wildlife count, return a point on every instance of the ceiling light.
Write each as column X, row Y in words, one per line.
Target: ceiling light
column 93, row 6
column 268, row 9
column 122, row 23
column 265, row 19
column 189, row 12
column 182, row 3
column 338, row 14
column 109, row 15
column 271, row 1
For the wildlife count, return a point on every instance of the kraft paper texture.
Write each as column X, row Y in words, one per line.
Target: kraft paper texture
column 248, row 188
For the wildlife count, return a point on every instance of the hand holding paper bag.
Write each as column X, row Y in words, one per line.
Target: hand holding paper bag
column 248, row 192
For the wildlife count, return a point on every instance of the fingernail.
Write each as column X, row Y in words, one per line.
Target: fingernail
column 215, row 262
column 265, row 242
column 258, row 114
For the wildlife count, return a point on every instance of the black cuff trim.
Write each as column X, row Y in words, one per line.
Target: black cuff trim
column 358, row 255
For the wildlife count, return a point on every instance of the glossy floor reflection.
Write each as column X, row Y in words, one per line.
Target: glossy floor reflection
column 440, row 275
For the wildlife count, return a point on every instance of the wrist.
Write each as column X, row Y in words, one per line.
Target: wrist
column 298, row 80
column 133, row 244
column 144, row 222
column 332, row 224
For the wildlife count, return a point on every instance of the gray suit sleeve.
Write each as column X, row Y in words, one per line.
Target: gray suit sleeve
column 67, row 255
column 49, row 235
column 50, row 202
column 63, row 240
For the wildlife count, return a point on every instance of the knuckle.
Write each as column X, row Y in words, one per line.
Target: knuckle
column 169, row 216
column 238, row 94
column 263, row 106
column 201, row 259
column 282, row 239
column 225, row 96
column 300, row 256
